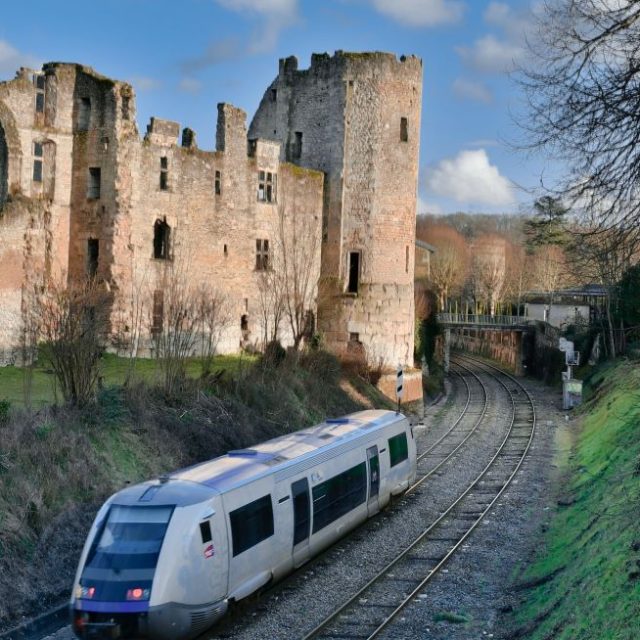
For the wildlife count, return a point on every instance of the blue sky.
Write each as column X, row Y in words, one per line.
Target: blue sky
column 185, row 57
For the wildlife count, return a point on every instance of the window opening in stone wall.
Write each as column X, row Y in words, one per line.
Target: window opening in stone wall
column 354, row 272
column 404, row 130
column 226, row 251
column 164, row 173
column 126, row 106
column 84, row 114
column 93, row 188
column 266, row 186
column 4, row 168
column 93, row 253
column 38, row 154
column 274, row 95
column 354, row 337
column 262, row 255
column 244, row 322
column 40, row 83
column 406, row 259
column 161, row 239
column 218, row 185
column 158, row 312
column 297, row 145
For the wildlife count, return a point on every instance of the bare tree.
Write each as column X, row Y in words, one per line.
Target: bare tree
column 73, row 325
column 297, row 264
column 271, row 304
column 549, row 270
column 449, row 263
column 489, row 270
column 175, row 327
column 214, row 316
column 583, row 97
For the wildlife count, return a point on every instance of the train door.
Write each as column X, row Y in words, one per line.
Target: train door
column 215, row 551
column 301, row 520
column 373, row 463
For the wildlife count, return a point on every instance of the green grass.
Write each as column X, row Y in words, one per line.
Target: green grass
column 589, row 565
column 113, row 369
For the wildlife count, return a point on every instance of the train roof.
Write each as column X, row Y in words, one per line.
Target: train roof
column 239, row 467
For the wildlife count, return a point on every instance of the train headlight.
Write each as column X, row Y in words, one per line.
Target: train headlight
column 138, row 593
column 85, row 592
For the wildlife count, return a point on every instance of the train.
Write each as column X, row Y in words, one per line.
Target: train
column 165, row 558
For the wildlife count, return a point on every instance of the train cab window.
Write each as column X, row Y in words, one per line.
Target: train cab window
column 398, row 449
column 205, row 531
column 251, row 524
column 339, row 495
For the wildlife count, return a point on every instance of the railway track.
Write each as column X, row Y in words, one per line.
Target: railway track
column 376, row 605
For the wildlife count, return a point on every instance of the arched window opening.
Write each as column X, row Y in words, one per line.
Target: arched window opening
column 161, row 239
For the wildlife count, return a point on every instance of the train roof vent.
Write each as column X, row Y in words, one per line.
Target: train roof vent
column 326, row 436
column 240, row 453
column 148, row 495
column 272, row 462
column 337, row 420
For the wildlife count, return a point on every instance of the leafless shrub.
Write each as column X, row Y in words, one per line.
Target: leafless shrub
column 214, row 316
column 73, row 324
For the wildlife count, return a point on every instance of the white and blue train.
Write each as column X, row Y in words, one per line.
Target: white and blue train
column 164, row 558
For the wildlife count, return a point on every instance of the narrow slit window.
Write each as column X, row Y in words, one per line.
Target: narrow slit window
column 38, row 155
column 161, row 239
column 406, row 259
column 262, row 255
column 404, row 130
column 93, row 188
column 126, row 106
column 218, row 183
column 40, row 83
column 354, row 272
column 84, row 114
column 93, row 255
column 164, row 173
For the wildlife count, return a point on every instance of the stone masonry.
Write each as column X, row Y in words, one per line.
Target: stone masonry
column 332, row 150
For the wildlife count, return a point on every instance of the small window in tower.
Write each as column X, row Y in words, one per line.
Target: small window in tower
column 354, row 272
column 93, row 187
column 354, row 337
column 84, row 114
column 126, row 105
column 262, row 255
column 274, row 95
column 406, row 259
column 37, row 161
column 40, row 82
column 161, row 239
column 164, row 173
column 226, row 251
column 93, row 253
column 297, row 146
column 266, row 186
column 218, row 184
column 404, row 130
column 158, row 312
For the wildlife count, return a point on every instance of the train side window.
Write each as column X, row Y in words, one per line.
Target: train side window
column 398, row 449
column 251, row 524
column 339, row 495
column 205, row 531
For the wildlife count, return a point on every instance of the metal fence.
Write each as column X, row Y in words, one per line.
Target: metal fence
column 484, row 320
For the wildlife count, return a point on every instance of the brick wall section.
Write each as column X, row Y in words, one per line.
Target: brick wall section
column 504, row 346
column 348, row 108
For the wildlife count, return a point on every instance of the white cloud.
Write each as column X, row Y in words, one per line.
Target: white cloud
column 499, row 54
column 490, row 55
column 190, row 85
column 11, row 59
column 274, row 16
column 472, row 90
column 145, row 83
column 421, row 13
column 470, row 178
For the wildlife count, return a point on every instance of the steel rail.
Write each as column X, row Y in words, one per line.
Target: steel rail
column 314, row 633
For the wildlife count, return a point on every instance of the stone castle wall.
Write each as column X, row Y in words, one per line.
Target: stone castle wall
column 343, row 116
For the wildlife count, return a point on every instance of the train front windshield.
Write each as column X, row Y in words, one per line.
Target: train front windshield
column 124, row 555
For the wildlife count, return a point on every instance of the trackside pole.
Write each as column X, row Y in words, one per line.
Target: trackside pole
column 399, row 385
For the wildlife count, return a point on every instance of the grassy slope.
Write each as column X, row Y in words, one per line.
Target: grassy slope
column 57, row 465
column 592, row 548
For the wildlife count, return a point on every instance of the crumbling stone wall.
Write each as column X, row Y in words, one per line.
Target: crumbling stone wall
column 356, row 117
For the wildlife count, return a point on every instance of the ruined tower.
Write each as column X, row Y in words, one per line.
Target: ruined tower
column 356, row 117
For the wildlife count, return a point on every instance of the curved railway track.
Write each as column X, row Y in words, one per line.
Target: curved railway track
column 374, row 607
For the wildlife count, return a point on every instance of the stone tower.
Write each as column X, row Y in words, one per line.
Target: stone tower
column 356, row 117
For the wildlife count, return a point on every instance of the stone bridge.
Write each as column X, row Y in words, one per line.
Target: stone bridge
column 518, row 342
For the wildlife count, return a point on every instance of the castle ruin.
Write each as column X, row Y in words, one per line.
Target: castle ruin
column 330, row 159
